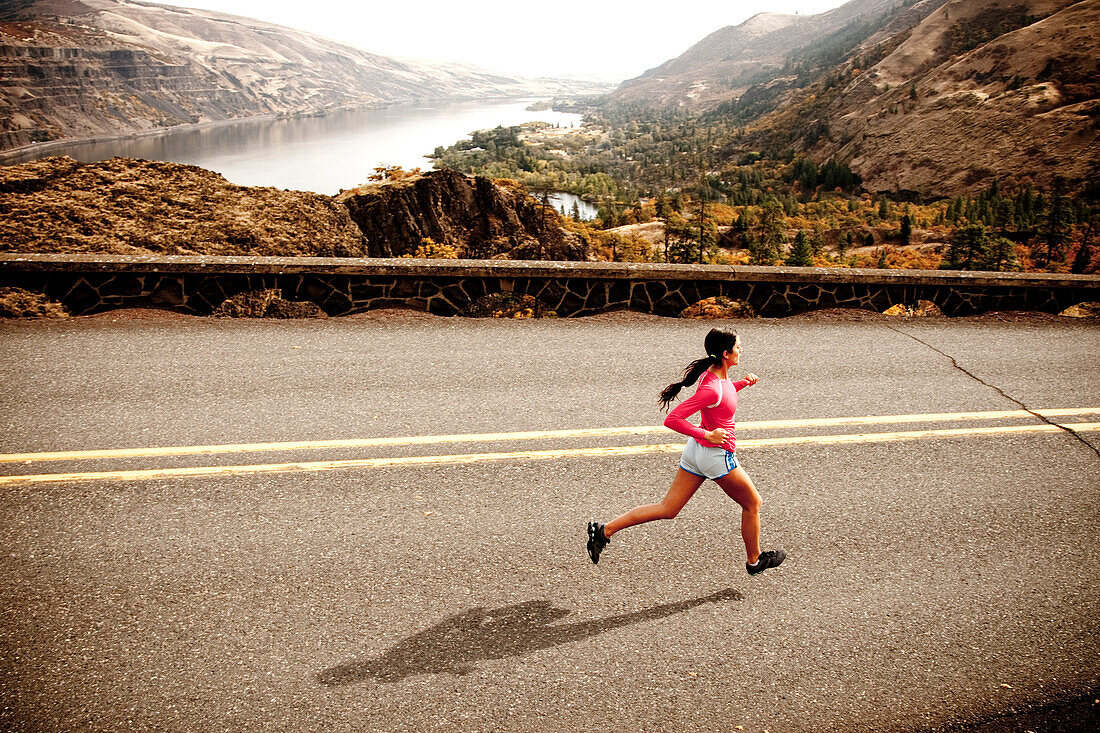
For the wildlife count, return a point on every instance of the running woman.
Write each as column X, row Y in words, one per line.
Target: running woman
column 710, row 452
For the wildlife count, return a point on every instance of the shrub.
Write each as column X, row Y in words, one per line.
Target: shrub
column 267, row 304
column 718, row 307
column 20, row 303
column 430, row 250
column 509, row 305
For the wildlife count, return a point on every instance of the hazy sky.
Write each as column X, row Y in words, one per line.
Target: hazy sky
column 609, row 41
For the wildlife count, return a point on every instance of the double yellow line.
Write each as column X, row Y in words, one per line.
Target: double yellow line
column 826, row 439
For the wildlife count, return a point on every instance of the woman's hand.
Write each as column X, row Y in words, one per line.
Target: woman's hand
column 751, row 379
column 716, row 436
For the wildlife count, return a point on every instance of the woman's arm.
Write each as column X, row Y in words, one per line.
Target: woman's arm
column 747, row 381
column 677, row 418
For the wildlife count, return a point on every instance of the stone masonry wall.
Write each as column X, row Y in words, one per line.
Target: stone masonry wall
column 341, row 286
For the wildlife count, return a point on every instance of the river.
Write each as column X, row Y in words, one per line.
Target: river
column 323, row 153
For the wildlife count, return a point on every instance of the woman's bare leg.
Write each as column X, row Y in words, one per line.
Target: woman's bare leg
column 739, row 487
column 683, row 488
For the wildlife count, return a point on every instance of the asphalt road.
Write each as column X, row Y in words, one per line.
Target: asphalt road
column 933, row 582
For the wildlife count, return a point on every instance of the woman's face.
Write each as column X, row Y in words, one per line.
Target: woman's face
column 733, row 356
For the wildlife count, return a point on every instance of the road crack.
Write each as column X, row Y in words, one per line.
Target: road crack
column 998, row 390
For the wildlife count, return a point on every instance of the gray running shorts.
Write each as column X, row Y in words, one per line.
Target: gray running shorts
column 707, row 462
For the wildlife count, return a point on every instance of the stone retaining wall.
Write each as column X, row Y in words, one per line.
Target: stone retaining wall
column 92, row 283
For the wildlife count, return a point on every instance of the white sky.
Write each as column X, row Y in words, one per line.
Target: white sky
column 607, row 41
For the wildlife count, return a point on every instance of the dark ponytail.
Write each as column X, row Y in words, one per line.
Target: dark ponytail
column 717, row 342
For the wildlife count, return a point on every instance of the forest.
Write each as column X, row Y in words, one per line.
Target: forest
column 772, row 207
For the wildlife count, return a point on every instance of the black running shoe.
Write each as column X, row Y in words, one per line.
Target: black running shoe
column 596, row 540
column 769, row 559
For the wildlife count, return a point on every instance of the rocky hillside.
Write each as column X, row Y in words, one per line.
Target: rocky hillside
column 924, row 98
column 125, row 206
column 729, row 61
column 78, row 68
column 977, row 90
column 479, row 218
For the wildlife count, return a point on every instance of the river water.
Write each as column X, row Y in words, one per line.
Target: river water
column 323, row 154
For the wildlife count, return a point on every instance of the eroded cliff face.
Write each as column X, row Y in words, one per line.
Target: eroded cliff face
column 71, row 69
column 52, row 93
column 125, row 206
column 69, row 79
column 480, row 218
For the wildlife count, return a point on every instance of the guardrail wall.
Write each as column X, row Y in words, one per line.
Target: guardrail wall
column 91, row 283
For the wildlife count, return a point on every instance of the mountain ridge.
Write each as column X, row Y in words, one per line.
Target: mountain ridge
column 728, row 61
column 950, row 108
column 928, row 98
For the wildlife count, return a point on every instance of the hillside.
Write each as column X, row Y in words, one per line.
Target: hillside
column 976, row 91
column 924, row 99
column 127, row 206
column 79, row 68
column 729, row 61
column 124, row 206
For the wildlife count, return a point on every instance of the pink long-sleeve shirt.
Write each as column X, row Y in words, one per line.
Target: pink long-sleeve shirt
column 716, row 401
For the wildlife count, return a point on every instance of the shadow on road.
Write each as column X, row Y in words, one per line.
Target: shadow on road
column 454, row 644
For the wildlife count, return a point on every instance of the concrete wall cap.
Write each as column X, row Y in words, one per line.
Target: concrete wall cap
column 33, row 262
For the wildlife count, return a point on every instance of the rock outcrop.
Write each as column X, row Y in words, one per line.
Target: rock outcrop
column 480, row 218
column 125, row 206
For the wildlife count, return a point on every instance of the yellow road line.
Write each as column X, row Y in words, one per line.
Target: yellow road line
column 528, row 455
column 86, row 455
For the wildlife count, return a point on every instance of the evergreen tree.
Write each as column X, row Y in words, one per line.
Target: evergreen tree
column 770, row 242
column 835, row 175
column 741, row 223
column 681, row 245
column 1020, row 212
column 844, row 243
column 968, row 249
column 954, row 210
column 906, row 233
column 1002, row 255
column 752, row 245
column 801, row 254
column 707, row 233
column 1083, row 260
column 1056, row 227
column 664, row 212
column 817, row 240
column 1003, row 218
